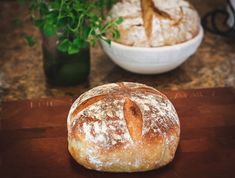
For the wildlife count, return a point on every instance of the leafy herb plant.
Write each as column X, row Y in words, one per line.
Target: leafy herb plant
column 75, row 23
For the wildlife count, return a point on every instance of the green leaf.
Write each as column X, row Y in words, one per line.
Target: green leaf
column 29, row 39
column 119, row 20
column 77, row 42
column 49, row 30
column 108, row 41
column 85, row 32
column 73, row 49
column 64, row 45
column 116, row 34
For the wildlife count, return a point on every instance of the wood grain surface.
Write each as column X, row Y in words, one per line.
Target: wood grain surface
column 33, row 138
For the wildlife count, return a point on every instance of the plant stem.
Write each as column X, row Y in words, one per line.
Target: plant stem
column 60, row 11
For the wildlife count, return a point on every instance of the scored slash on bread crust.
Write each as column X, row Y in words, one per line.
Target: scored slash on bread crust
column 125, row 91
column 147, row 14
column 110, row 125
column 133, row 117
column 87, row 103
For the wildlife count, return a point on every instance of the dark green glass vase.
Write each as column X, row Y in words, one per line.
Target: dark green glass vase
column 62, row 69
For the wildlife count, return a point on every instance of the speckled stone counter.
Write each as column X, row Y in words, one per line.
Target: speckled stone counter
column 22, row 77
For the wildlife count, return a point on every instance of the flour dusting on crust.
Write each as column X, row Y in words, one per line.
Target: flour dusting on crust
column 103, row 124
column 172, row 22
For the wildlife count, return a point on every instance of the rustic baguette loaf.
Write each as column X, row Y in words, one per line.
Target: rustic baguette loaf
column 123, row 127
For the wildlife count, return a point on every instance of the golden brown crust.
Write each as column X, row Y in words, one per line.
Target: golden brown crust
column 87, row 103
column 123, row 127
column 150, row 25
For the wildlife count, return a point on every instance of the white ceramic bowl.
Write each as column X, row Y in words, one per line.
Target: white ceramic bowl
column 157, row 60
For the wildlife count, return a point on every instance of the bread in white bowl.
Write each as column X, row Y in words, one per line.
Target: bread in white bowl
column 146, row 60
column 156, row 23
column 123, row 127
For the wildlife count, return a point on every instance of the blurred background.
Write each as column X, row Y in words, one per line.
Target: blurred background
column 21, row 67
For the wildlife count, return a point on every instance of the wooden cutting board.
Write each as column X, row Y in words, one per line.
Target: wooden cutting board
column 33, row 138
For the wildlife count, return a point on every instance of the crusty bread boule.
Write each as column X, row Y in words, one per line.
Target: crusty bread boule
column 155, row 23
column 123, row 127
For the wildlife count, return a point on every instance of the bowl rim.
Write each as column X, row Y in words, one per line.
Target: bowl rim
column 180, row 45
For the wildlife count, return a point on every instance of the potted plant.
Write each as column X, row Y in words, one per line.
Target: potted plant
column 68, row 28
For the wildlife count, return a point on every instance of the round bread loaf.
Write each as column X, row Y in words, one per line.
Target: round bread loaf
column 155, row 23
column 123, row 127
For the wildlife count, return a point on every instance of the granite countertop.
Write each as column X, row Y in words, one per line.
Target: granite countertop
column 22, row 77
